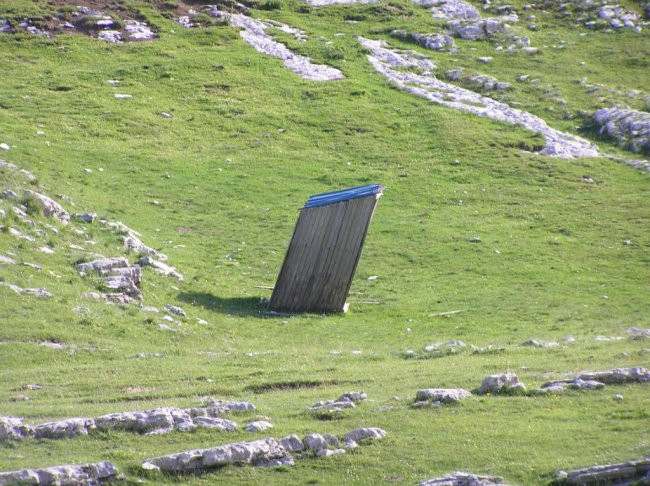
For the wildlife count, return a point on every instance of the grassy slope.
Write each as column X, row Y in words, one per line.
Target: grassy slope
column 222, row 161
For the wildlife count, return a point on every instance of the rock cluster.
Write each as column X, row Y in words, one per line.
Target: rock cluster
column 50, row 207
column 39, row 292
column 501, row 383
column 392, row 63
column 452, row 9
column 630, row 128
column 263, row 452
column 150, row 422
column 477, row 80
column 438, row 396
column 323, row 3
column 347, row 400
column 477, row 30
column 115, row 274
column 84, row 474
column 631, row 472
column 464, row 479
column 593, row 14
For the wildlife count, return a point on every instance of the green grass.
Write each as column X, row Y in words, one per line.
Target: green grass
column 248, row 142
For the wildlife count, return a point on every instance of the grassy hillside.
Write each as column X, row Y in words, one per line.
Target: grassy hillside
column 217, row 187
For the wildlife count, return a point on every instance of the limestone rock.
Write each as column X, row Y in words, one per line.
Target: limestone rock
column 215, row 422
column 615, row 474
column 329, row 452
column 172, row 309
column 84, row 474
column 5, row 260
column 618, row 376
column 256, row 452
column 442, row 395
column 85, row 217
column 478, row 30
column 292, row 443
column 138, row 30
column 558, row 386
column 539, row 344
column 322, row 3
column 412, row 73
column 331, row 406
column 315, row 442
column 464, row 479
column 501, row 383
column 254, row 33
column 64, row 429
column 50, row 207
column 258, row 426
column 102, row 265
column 635, row 332
column 14, row 428
column 361, row 434
column 132, row 242
column 454, row 9
column 160, row 267
column 630, row 128
column 353, row 396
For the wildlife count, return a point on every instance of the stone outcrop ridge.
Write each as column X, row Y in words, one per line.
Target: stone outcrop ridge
column 598, row 379
column 464, row 479
column 323, row 3
column 84, row 474
column 262, row 452
column 434, row 42
column 115, row 274
column 630, row 128
column 453, row 9
column 391, row 63
column 624, row 473
column 39, row 292
column 151, row 422
column 254, row 32
column 50, row 207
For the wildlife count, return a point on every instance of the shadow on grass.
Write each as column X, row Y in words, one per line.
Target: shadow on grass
column 237, row 306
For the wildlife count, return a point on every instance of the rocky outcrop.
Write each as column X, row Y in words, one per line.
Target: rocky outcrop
column 39, row 292
column 464, row 479
column 437, row 396
column 624, row 473
column 84, row 474
column 630, row 128
column 115, row 274
column 434, row 42
column 392, row 64
column 160, row 267
column 501, row 383
column 618, row 376
column 347, row 400
column 255, row 453
column 453, row 9
column 478, row 30
column 254, row 32
column 50, row 207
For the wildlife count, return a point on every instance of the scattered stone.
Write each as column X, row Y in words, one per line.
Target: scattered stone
column 440, row 395
column 387, row 61
column 435, row 42
column 50, row 207
column 629, row 127
column 540, row 344
column 323, row 3
column 5, row 260
column 85, row 217
column 361, row 434
column 84, row 474
column 635, row 332
column 165, row 327
column 4, row 146
column 452, row 9
column 559, row 386
column 501, row 383
column 122, row 96
column 254, row 33
column 110, row 36
column 353, row 396
column 484, row 59
column 255, row 453
column 618, row 397
column 620, row 473
column 618, row 376
column 161, row 268
column 132, row 242
column 13, row 428
column 329, row 452
column 478, row 30
column 172, row 309
column 258, row 426
column 215, row 422
column 40, row 293
column 464, row 479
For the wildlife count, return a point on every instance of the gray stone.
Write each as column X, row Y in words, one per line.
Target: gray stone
column 361, row 434
column 256, row 452
column 172, row 309
column 478, row 30
column 353, row 396
column 454, row 9
column 436, row 42
column 315, row 442
column 323, row 3
column 5, row 260
column 132, row 242
column 329, row 452
column 50, row 207
column 110, row 36
column 138, row 30
column 215, row 422
column 635, row 332
column 258, row 426
column 539, row 344
column 615, row 474
column 84, row 474
column 442, row 395
column 464, row 479
column 331, row 406
column 618, row 376
column 64, row 429
column 13, row 428
column 630, row 128
column 292, row 443
column 85, row 217
column 501, row 383
column 103, row 265
column 161, row 268
column 559, row 386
